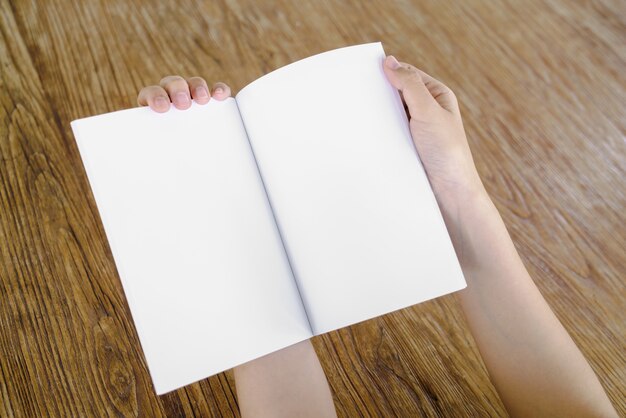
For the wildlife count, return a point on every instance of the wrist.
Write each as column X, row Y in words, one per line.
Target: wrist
column 464, row 209
column 456, row 196
column 453, row 178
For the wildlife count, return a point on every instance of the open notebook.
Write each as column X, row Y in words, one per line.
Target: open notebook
column 241, row 227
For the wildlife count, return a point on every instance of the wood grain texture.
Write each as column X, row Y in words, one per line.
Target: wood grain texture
column 542, row 88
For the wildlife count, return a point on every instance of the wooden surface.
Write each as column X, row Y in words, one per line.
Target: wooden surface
column 543, row 91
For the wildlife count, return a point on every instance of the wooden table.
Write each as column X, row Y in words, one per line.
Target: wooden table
column 542, row 90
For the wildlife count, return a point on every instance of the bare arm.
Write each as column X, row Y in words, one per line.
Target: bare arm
column 532, row 361
column 287, row 383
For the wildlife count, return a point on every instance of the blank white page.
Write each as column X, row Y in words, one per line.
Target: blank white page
column 361, row 225
column 193, row 238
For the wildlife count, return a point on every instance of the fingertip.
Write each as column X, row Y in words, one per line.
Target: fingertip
column 391, row 62
column 201, row 95
column 160, row 104
column 218, row 94
column 393, row 76
column 199, row 90
column 221, row 91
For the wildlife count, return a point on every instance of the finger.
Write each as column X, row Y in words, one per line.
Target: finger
column 155, row 97
column 409, row 82
column 440, row 92
column 220, row 91
column 178, row 90
column 199, row 90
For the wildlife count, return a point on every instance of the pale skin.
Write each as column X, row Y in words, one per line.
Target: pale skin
column 532, row 361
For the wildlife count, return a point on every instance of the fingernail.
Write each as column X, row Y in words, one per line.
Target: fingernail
column 182, row 99
column 219, row 90
column 161, row 102
column 392, row 62
column 201, row 93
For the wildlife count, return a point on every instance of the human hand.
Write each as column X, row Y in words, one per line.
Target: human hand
column 438, row 134
column 501, row 303
column 180, row 92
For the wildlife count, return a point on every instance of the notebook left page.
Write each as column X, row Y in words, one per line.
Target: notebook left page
column 193, row 237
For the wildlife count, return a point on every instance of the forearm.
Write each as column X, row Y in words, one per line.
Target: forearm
column 286, row 383
column 534, row 364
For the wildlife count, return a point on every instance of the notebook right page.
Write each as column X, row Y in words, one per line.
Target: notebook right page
column 360, row 223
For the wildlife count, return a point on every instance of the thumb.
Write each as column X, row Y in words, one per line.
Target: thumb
column 408, row 80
